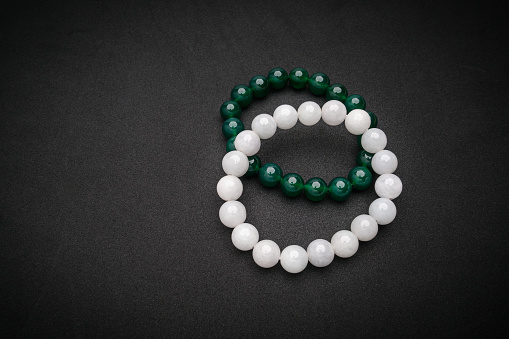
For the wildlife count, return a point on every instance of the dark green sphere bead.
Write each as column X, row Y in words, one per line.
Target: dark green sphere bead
column 242, row 95
column 374, row 119
column 259, row 86
column 318, row 83
column 340, row 189
column 270, row 175
column 336, row 92
column 359, row 138
column 364, row 159
column 360, row 177
column 298, row 78
column 292, row 185
column 355, row 101
column 316, row 189
column 278, row 78
column 254, row 165
column 232, row 127
column 230, row 144
column 230, row 109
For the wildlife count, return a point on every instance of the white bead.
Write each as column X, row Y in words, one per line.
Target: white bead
column 384, row 162
column 294, row 259
column 245, row 236
column 286, row 116
column 229, row 187
column 345, row 244
column 309, row 113
column 232, row 213
column 320, row 253
column 247, row 142
column 264, row 125
column 357, row 121
column 383, row 210
column 266, row 253
column 333, row 112
column 235, row 163
column 388, row 186
column 373, row 140
column 364, row 227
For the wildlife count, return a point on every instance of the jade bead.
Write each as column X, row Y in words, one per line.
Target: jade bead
column 355, row 101
column 318, row 83
column 292, row 185
column 340, row 189
column 316, row 189
column 230, row 109
column 254, row 165
column 259, row 86
column 298, row 78
column 230, row 144
column 231, row 127
column 270, row 175
column 364, row 159
column 360, row 177
column 336, row 92
column 242, row 95
column 374, row 119
column 278, row 78
column 359, row 143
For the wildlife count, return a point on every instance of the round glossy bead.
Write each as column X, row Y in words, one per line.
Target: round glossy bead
column 360, row 177
column 374, row 140
column 316, row 189
column 355, row 101
column 384, row 162
column 364, row 159
column 298, row 78
column 294, row 259
column 333, row 112
column 230, row 144
column 388, row 186
column 286, row 116
column 235, row 163
column 318, row 83
column 266, row 253
column 336, row 92
column 278, row 78
column 232, row 213
column 383, row 210
column 254, row 165
column 230, row 109
column 345, row 244
column 248, row 142
column 374, row 119
column 245, row 236
column 229, row 187
column 292, row 185
column 320, row 253
column 259, row 86
column 309, row 113
column 357, row 121
column 232, row 127
column 270, row 175
column 264, row 125
column 364, row 227
column 242, row 94
column 340, row 189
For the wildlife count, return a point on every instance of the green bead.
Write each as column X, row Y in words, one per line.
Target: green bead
column 364, row 159
column 298, row 78
column 355, row 101
column 336, row 92
column 316, row 189
column 359, row 138
column 231, row 127
column 230, row 144
column 292, row 185
column 374, row 119
column 340, row 189
column 270, row 174
column 318, row 83
column 254, row 165
column 242, row 95
column 259, row 85
column 230, row 109
column 360, row 177
column 278, row 78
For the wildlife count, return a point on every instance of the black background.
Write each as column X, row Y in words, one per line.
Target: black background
column 111, row 151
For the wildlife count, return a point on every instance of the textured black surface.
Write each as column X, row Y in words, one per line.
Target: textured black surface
column 110, row 151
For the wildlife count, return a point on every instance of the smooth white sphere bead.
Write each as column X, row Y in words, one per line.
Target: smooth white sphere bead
column 373, row 140
column 245, row 236
column 266, row 253
column 247, row 142
column 286, row 116
column 232, row 213
column 383, row 210
column 388, row 186
column 345, row 244
column 333, row 112
column 320, row 253
column 235, row 163
column 364, row 227
column 384, row 162
column 229, row 187
column 357, row 121
column 264, row 125
column 294, row 259
column 309, row 113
